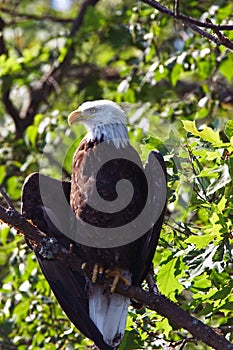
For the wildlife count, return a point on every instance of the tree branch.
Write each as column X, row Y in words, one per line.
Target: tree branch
column 194, row 24
column 13, row 218
column 7, row 198
column 156, row 302
column 176, row 7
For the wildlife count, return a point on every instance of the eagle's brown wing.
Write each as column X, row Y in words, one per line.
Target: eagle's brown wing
column 42, row 200
column 157, row 195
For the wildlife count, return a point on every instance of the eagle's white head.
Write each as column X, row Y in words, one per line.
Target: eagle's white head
column 103, row 119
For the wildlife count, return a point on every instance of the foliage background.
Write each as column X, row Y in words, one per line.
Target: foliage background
column 163, row 74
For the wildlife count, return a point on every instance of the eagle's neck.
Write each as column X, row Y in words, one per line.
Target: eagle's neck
column 117, row 133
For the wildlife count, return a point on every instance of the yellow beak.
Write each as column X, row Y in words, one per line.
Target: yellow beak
column 74, row 116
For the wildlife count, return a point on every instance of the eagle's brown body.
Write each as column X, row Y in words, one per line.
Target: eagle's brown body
column 126, row 256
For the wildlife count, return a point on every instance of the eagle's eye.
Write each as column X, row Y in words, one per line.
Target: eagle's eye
column 92, row 110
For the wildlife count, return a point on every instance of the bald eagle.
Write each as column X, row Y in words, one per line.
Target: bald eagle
column 114, row 230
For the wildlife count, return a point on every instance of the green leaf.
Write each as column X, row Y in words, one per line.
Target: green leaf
column 207, row 134
column 210, row 135
column 167, row 280
column 206, row 310
column 2, row 173
column 131, row 340
column 201, row 241
column 226, row 67
column 221, row 204
column 176, row 73
column 203, row 215
column 14, row 187
column 202, row 282
column 229, row 129
column 221, row 181
column 4, row 234
column 224, row 292
column 212, row 155
column 190, row 126
column 31, row 135
column 164, row 326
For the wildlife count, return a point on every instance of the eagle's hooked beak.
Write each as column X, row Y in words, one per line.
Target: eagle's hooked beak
column 75, row 116
column 78, row 116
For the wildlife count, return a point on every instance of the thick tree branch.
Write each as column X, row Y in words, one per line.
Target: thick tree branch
column 156, row 302
column 13, row 218
column 194, row 24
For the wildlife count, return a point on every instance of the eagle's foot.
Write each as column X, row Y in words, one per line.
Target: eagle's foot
column 117, row 277
column 97, row 272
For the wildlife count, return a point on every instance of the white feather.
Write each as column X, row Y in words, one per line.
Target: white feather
column 117, row 133
column 115, row 319
column 109, row 313
column 98, row 305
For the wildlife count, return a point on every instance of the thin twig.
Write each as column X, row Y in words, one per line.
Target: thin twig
column 195, row 24
column 176, row 8
column 7, row 198
column 191, row 156
column 226, row 42
column 192, row 20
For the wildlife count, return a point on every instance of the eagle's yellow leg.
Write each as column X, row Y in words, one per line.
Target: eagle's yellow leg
column 97, row 271
column 115, row 282
column 117, row 276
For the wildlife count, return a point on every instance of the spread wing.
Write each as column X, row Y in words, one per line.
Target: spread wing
column 42, row 200
column 157, row 194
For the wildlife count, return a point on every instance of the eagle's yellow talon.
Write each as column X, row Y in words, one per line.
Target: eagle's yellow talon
column 95, row 273
column 115, row 283
column 117, row 276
